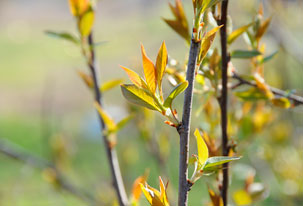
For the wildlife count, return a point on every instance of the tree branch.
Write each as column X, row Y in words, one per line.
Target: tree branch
column 14, row 152
column 224, row 98
column 184, row 127
column 111, row 152
column 297, row 100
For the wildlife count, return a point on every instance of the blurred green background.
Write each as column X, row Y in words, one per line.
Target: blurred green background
column 45, row 106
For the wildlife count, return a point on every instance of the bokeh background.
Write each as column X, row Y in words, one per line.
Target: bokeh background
column 47, row 110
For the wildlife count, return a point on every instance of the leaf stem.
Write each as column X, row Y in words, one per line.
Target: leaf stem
column 184, row 128
column 111, row 152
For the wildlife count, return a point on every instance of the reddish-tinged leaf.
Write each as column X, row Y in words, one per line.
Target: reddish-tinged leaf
column 161, row 65
column 149, row 71
column 87, row 79
column 263, row 29
column 135, row 78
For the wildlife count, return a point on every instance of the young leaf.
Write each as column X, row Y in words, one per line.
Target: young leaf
column 155, row 197
column 139, row 96
column 241, row 197
column 263, row 29
column 251, row 94
column 87, row 79
column 109, row 122
column 174, row 93
column 136, row 190
column 86, row 22
column 212, row 162
column 202, row 148
column 235, row 34
column 282, row 102
column 63, row 35
column 78, row 7
column 208, row 3
column 123, row 122
column 179, row 24
column 215, row 198
column 135, row 78
column 110, row 84
column 266, row 59
column 242, row 54
column 207, row 42
column 161, row 65
column 150, row 72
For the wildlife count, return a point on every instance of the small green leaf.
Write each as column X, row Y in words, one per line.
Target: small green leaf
column 209, row 3
column 251, row 94
column 123, row 122
column 266, row 59
column 63, row 35
column 212, row 162
column 139, row 96
column 243, row 54
column 235, row 34
column 86, row 22
column 110, row 84
column 174, row 93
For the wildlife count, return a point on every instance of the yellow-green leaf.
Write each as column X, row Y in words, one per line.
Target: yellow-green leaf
column 263, row 29
column 282, row 102
column 213, row 162
column 241, row 197
column 202, row 148
column 235, row 34
column 123, row 122
column 206, row 43
column 139, row 96
column 110, row 84
column 208, row 3
column 86, row 22
column 161, row 65
column 174, row 93
column 150, row 72
column 135, row 78
column 109, row 122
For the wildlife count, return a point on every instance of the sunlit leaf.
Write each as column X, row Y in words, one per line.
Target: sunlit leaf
column 78, row 7
column 161, row 65
column 136, row 190
column 163, row 195
column 263, row 28
column 235, row 34
column 200, row 79
column 244, row 54
column 86, row 22
column 282, row 102
column 63, row 35
column 153, row 196
column 209, row 3
column 135, row 78
column 179, row 24
column 108, row 85
column 261, row 84
column 207, row 42
column 108, row 121
column 241, row 197
column 150, row 71
column 216, row 161
column 139, row 96
column 174, row 93
column 202, row 148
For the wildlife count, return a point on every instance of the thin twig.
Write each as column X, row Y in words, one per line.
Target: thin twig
column 184, row 127
column 111, row 152
column 13, row 151
column 224, row 98
column 297, row 100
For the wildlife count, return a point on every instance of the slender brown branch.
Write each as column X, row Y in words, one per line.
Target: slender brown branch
column 297, row 100
column 13, row 151
column 111, row 152
column 184, row 127
column 224, row 98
